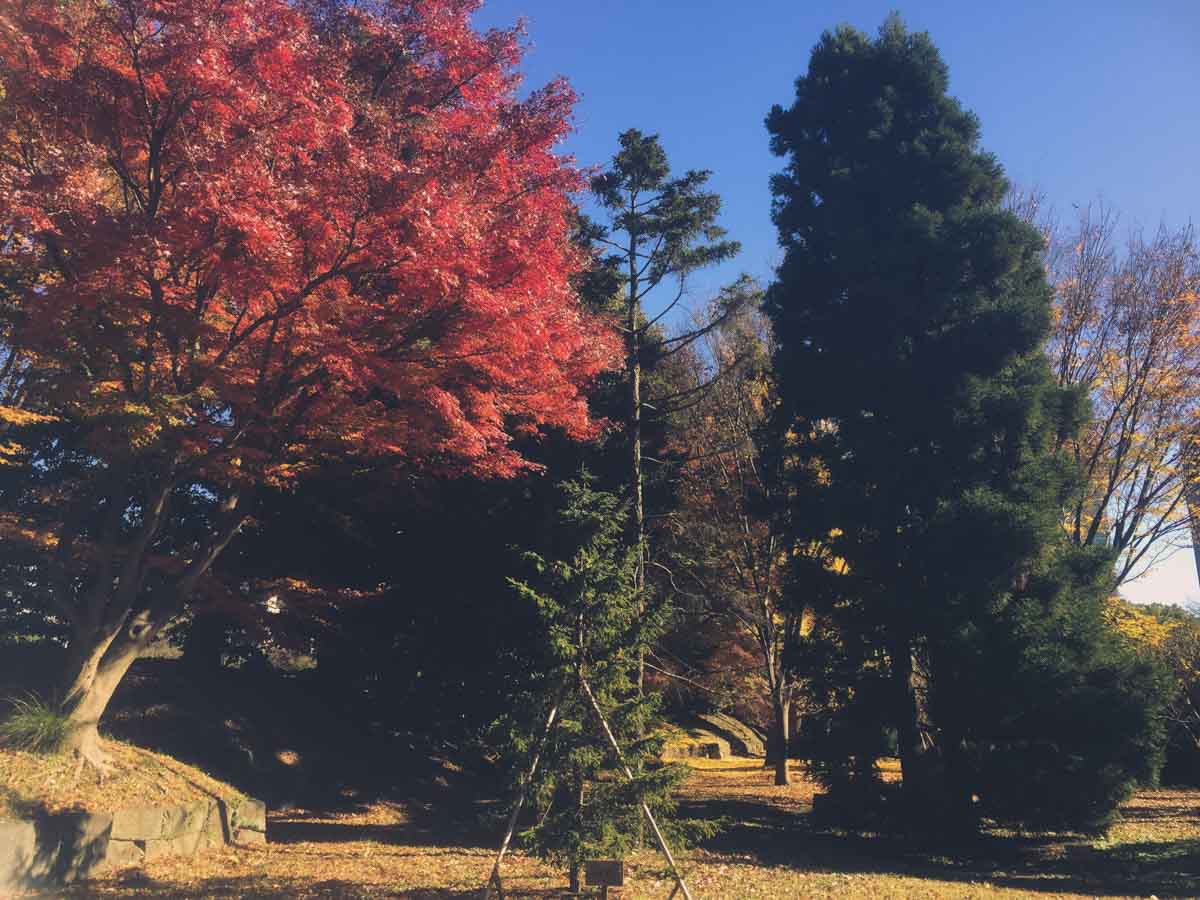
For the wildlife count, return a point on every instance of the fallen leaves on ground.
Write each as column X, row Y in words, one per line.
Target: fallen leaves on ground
column 769, row 851
column 52, row 783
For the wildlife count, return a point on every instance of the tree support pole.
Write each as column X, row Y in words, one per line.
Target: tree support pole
column 658, row 835
column 494, row 878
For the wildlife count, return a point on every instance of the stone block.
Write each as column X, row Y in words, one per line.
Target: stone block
column 214, row 836
column 54, row 850
column 743, row 740
column 70, row 845
column 215, row 826
column 245, row 837
column 181, row 845
column 203, row 834
column 138, row 823
column 18, row 848
column 188, row 818
column 249, row 814
column 702, row 749
column 122, row 854
column 225, row 812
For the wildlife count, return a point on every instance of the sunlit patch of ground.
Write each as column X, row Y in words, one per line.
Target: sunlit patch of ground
column 768, row 851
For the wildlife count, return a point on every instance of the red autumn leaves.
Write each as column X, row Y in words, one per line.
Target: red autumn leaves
column 271, row 231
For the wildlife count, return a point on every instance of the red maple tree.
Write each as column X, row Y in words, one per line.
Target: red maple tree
column 263, row 232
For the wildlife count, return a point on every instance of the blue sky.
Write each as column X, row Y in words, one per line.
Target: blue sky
column 1082, row 100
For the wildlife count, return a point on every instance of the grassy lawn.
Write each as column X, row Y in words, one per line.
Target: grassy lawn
column 416, row 850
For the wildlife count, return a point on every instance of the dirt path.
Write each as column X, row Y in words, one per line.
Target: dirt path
column 768, row 851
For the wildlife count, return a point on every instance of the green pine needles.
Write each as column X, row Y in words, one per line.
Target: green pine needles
column 583, row 805
column 911, row 312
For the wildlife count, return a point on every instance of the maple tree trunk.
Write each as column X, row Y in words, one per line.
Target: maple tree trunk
column 84, row 655
column 111, row 633
column 93, row 674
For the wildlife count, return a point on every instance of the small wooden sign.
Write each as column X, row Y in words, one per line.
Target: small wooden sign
column 604, row 872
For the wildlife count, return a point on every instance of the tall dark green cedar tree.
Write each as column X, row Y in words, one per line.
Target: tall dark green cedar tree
column 910, row 311
column 593, row 623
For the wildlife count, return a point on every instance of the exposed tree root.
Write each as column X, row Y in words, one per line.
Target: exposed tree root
column 89, row 754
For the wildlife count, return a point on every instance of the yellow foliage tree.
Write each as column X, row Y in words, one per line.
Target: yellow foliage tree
column 1145, row 630
column 1127, row 332
column 730, row 537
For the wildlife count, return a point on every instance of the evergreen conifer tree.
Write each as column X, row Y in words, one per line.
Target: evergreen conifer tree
column 910, row 311
column 661, row 229
column 593, row 625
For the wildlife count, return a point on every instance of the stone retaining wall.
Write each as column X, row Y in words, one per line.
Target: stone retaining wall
column 707, row 746
column 743, row 740
column 56, row 849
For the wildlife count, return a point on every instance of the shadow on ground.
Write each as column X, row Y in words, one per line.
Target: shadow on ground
column 252, row 887
column 759, row 833
column 773, row 836
column 262, row 887
column 438, row 824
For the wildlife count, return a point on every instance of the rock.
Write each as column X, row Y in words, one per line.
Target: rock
column 245, row 822
column 743, row 740
column 54, row 850
column 190, row 817
column 18, row 846
column 66, row 847
column 702, row 745
column 181, row 845
column 249, row 814
column 215, row 826
column 244, row 837
column 122, row 854
column 138, row 823
column 190, row 828
column 712, row 750
column 72, row 844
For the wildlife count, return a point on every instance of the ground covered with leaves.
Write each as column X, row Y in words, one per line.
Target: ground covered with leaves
column 33, row 783
column 427, row 851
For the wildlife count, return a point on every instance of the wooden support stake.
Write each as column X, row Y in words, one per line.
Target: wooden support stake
column 494, row 878
column 658, row 835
